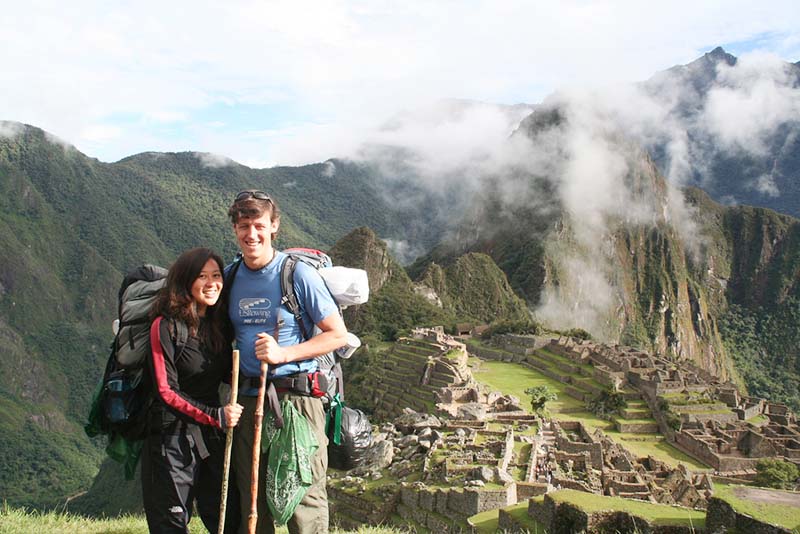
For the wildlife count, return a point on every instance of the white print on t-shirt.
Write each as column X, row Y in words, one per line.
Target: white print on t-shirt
column 254, row 310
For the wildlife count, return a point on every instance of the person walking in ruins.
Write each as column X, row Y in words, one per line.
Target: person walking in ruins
column 264, row 330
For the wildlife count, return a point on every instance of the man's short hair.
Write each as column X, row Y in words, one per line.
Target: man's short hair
column 253, row 206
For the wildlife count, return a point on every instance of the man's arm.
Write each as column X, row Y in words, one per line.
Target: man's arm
column 332, row 337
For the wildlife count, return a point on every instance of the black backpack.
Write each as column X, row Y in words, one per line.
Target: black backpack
column 124, row 395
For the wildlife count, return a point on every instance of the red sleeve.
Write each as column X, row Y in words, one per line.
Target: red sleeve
column 165, row 377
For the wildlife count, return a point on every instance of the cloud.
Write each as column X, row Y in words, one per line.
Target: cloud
column 329, row 169
column 334, row 64
column 214, row 161
column 753, row 99
column 10, row 129
column 765, row 184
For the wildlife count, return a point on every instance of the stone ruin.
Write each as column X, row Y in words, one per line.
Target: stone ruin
column 484, row 451
column 715, row 429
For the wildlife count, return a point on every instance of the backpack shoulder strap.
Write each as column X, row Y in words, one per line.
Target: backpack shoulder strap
column 181, row 337
column 288, row 295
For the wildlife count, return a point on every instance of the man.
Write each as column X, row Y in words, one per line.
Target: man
column 266, row 331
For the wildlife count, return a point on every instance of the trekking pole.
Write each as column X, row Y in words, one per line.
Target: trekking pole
column 226, row 466
column 259, row 418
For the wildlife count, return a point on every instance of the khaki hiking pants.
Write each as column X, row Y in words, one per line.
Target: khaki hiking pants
column 311, row 515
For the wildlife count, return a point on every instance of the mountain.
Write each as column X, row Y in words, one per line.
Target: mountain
column 667, row 270
column 737, row 128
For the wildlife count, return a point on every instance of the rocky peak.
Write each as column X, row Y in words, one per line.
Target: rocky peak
column 362, row 249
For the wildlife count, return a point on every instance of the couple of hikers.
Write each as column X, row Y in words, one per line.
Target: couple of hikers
column 182, row 458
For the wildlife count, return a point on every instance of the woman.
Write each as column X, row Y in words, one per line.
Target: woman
column 183, row 454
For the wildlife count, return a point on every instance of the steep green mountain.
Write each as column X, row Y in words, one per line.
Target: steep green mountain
column 473, row 287
column 394, row 307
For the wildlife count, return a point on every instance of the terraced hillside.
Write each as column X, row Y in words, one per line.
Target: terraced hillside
column 410, row 375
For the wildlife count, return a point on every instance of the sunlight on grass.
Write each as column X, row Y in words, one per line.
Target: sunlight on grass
column 658, row 514
column 783, row 515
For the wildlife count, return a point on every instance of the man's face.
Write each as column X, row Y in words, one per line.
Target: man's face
column 255, row 239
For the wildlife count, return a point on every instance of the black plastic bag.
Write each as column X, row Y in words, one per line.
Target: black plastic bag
column 348, row 447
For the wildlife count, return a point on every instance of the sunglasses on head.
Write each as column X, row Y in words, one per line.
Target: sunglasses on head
column 258, row 195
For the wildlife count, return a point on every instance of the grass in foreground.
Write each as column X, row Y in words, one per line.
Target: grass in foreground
column 658, row 514
column 19, row 521
column 783, row 515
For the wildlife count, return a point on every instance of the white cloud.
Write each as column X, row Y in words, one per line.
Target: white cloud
column 765, row 184
column 334, row 65
column 214, row 161
column 754, row 98
column 329, row 170
column 10, row 129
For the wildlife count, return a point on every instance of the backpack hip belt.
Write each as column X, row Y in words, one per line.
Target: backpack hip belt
column 308, row 384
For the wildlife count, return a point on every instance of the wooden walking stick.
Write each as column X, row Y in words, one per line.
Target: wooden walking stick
column 226, row 466
column 259, row 419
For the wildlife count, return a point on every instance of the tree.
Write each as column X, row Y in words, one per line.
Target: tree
column 607, row 403
column 540, row 396
column 776, row 474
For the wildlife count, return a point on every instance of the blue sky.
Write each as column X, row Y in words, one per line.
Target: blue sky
column 270, row 83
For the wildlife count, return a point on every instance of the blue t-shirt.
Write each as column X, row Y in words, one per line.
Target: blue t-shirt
column 255, row 307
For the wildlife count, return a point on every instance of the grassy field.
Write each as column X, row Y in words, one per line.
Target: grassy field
column 514, row 378
column 486, row 522
column 18, row 521
column 658, row 514
column 782, row 515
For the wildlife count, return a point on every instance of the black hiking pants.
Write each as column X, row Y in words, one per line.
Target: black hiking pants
column 177, row 471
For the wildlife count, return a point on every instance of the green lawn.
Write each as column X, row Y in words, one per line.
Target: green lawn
column 658, row 514
column 758, row 420
column 782, row 515
column 486, row 522
column 17, row 521
column 515, row 378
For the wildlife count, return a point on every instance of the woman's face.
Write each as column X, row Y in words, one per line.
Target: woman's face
column 207, row 286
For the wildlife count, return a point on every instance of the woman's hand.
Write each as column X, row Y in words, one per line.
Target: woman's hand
column 233, row 412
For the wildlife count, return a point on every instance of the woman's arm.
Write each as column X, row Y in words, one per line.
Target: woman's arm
column 165, row 377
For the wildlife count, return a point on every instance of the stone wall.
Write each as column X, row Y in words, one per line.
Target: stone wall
column 497, row 355
column 636, row 428
column 351, row 509
column 456, row 505
column 566, row 518
column 589, row 444
column 721, row 517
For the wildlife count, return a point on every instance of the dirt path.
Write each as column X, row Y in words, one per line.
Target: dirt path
column 768, row 496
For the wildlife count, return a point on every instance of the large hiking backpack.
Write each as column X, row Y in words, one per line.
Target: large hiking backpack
column 123, row 396
column 348, row 429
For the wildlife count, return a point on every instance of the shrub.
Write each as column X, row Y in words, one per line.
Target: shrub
column 607, row 403
column 777, row 474
column 540, row 396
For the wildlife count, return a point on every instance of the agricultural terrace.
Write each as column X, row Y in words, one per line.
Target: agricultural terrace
column 780, row 508
column 657, row 514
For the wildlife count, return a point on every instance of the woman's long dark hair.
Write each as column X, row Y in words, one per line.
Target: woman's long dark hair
column 175, row 299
